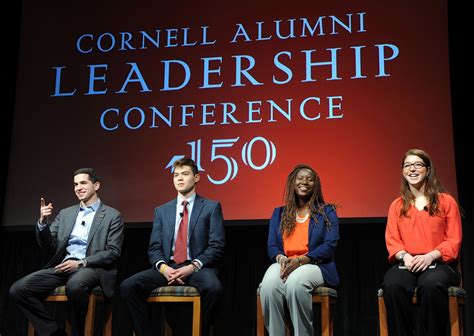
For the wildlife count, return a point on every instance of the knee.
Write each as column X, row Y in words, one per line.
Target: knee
column 267, row 287
column 271, row 293
column 396, row 292
column 126, row 287
column 75, row 289
column 295, row 289
column 429, row 288
column 16, row 291
column 218, row 290
column 391, row 288
column 270, row 281
column 215, row 290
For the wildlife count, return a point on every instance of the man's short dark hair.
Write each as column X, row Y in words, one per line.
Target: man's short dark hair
column 89, row 171
column 186, row 162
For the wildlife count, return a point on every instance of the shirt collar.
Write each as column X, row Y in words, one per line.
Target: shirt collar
column 94, row 206
column 190, row 199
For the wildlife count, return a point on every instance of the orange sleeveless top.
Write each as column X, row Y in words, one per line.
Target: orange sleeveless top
column 296, row 244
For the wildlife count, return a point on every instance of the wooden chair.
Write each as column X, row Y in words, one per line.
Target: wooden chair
column 456, row 301
column 323, row 295
column 180, row 294
column 59, row 295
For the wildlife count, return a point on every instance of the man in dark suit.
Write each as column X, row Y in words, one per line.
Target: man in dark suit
column 192, row 262
column 86, row 241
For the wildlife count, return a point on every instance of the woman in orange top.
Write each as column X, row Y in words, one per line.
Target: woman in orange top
column 302, row 240
column 424, row 233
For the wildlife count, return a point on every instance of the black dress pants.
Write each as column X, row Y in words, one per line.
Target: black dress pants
column 29, row 292
column 432, row 294
column 136, row 289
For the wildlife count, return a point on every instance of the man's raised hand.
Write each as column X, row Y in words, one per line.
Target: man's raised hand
column 45, row 210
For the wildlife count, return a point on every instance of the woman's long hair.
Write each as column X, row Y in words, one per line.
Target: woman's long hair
column 432, row 185
column 316, row 201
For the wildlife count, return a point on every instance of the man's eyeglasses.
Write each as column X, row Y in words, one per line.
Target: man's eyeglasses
column 417, row 165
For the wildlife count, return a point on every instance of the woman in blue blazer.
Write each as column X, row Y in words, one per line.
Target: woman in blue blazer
column 302, row 240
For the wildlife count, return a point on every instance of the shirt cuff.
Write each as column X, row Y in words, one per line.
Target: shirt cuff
column 198, row 262
column 159, row 263
column 41, row 226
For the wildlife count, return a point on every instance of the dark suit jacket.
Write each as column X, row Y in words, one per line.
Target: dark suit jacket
column 206, row 232
column 104, row 242
column 321, row 242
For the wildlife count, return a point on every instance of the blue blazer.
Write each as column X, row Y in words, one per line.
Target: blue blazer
column 206, row 232
column 321, row 245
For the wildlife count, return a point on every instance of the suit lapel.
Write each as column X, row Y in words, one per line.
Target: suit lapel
column 70, row 222
column 98, row 217
column 170, row 218
column 312, row 226
column 197, row 208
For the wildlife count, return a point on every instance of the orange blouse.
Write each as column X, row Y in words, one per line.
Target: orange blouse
column 296, row 244
column 420, row 233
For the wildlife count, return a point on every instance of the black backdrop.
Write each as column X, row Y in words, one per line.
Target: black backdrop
column 361, row 254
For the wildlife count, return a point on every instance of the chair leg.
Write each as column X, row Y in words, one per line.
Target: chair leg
column 454, row 316
column 108, row 319
column 260, row 325
column 331, row 318
column 168, row 331
column 197, row 316
column 288, row 327
column 89, row 327
column 325, row 317
column 31, row 330
column 382, row 317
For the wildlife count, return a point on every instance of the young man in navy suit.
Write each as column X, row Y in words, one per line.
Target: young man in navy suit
column 177, row 258
column 86, row 240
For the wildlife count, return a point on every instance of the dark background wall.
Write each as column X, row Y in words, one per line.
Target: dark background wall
column 361, row 255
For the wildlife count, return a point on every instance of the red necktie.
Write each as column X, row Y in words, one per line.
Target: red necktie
column 181, row 245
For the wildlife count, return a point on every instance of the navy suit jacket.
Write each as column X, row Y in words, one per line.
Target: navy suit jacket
column 104, row 243
column 321, row 242
column 206, row 232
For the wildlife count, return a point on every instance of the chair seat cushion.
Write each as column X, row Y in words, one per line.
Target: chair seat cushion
column 175, row 291
column 319, row 291
column 456, row 291
column 61, row 290
column 452, row 291
column 325, row 291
